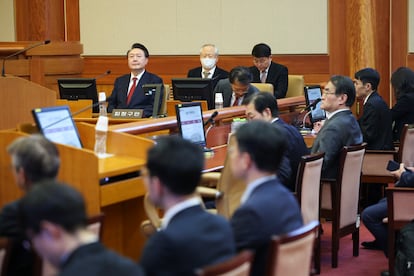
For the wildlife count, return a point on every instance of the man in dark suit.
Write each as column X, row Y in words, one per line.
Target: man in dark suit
column 263, row 106
column 375, row 123
column 340, row 128
column 189, row 237
column 267, row 207
column 237, row 88
column 128, row 89
column 54, row 215
column 209, row 54
column 265, row 70
column 34, row 161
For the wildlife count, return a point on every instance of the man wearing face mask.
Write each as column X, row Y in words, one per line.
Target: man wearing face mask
column 208, row 57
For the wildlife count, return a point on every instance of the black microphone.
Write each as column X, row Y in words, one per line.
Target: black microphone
column 103, row 75
column 22, row 51
column 211, row 119
column 308, row 107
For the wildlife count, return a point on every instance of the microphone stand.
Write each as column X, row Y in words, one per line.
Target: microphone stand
column 304, row 129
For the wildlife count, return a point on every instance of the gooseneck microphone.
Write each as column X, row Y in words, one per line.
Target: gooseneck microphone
column 22, row 51
column 103, row 75
column 211, row 119
column 312, row 105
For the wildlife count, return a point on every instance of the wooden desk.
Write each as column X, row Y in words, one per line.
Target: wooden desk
column 216, row 161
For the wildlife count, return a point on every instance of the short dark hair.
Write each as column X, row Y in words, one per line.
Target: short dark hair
column 241, row 74
column 55, row 202
column 38, row 157
column 139, row 46
column 368, row 75
column 263, row 100
column 264, row 142
column 261, row 50
column 402, row 81
column 178, row 164
column 344, row 85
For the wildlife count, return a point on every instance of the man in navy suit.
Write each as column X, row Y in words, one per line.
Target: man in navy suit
column 237, row 88
column 209, row 54
column 128, row 91
column 340, row 128
column 375, row 123
column 263, row 106
column 267, row 207
column 189, row 237
column 265, row 70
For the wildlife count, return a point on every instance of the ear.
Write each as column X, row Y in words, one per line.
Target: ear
column 51, row 230
column 342, row 99
column 368, row 86
column 245, row 161
column 267, row 113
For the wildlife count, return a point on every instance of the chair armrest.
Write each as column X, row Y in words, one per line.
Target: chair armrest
column 208, row 192
column 210, row 179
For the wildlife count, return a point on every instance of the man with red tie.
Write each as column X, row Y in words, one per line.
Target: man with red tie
column 236, row 89
column 128, row 91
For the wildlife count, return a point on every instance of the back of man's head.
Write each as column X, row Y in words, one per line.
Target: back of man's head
column 368, row 75
column 261, row 50
column 54, row 202
column 344, row 85
column 241, row 74
column 264, row 142
column 177, row 163
column 264, row 100
column 37, row 156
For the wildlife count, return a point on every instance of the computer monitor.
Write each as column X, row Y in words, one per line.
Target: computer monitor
column 193, row 89
column 57, row 125
column 78, row 89
column 190, row 122
column 312, row 93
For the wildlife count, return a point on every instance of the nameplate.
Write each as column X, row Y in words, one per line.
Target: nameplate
column 127, row 113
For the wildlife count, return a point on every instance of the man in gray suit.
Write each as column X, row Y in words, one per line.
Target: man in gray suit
column 236, row 89
column 341, row 128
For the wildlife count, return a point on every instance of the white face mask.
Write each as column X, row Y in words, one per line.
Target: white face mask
column 208, row 63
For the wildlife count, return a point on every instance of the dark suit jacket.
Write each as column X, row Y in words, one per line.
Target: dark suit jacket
column 277, row 75
column 194, row 238
column 139, row 100
column 224, row 87
column 376, row 124
column 402, row 113
column 21, row 259
column 294, row 152
column 219, row 74
column 340, row 130
column 95, row 260
column 270, row 210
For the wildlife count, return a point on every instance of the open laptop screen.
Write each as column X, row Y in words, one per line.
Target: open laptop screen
column 190, row 122
column 57, row 125
column 312, row 93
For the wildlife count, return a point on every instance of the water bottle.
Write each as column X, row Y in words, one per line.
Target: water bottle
column 101, row 128
column 219, row 100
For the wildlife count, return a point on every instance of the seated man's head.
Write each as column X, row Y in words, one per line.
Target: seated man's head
column 262, row 106
column 262, row 56
column 53, row 214
column 34, row 159
column 209, row 56
column 240, row 78
column 137, row 57
column 258, row 149
column 338, row 93
column 174, row 167
column 366, row 81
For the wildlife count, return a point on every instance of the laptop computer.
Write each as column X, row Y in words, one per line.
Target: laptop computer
column 312, row 93
column 190, row 123
column 57, row 125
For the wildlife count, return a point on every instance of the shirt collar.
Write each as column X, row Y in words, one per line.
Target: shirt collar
column 138, row 76
column 366, row 98
column 329, row 115
column 253, row 185
column 193, row 201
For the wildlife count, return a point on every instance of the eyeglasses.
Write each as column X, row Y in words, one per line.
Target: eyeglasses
column 260, row 60
column 327, row 93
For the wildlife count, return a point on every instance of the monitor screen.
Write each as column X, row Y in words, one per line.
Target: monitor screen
column 193, row 89
column 313, row 93
column 190, row 122
column 57, row 125
column 79, row 88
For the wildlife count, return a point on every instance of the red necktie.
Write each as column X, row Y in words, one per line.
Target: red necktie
column 236, row 101
column 131, row 91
